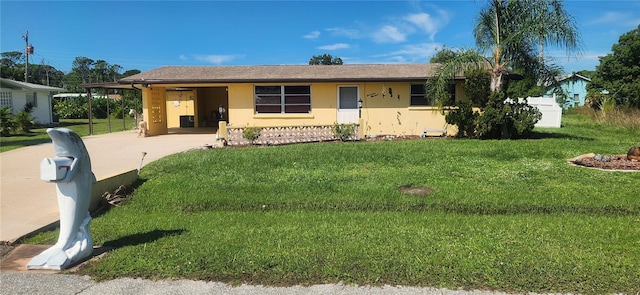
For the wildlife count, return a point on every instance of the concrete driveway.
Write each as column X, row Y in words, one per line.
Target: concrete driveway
column 28, row 203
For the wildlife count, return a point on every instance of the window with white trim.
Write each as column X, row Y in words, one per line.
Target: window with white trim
column 282, row 99
column 32, row 98
column 6, row 99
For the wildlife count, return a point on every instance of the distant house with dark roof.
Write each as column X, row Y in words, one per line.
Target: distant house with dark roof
column 16, row 94
column 383, row 99
column 574, row 86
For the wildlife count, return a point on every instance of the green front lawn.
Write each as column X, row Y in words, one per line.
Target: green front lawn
column 80, row 126
column 503, row 215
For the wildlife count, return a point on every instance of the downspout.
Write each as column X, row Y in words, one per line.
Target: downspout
column 135, row 98
column 50, row 107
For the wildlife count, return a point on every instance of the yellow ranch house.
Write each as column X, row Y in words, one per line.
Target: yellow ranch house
column 304, row 100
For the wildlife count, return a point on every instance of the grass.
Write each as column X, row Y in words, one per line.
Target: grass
column 504, row 215
column 80, row 126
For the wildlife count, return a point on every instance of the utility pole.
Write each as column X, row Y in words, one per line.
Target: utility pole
column 28, row 50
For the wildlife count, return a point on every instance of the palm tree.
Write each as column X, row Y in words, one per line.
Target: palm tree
column 510, row 31
column 514, row 32
column 552, row 25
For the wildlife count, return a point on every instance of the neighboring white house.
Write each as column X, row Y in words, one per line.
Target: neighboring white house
column 16, row 94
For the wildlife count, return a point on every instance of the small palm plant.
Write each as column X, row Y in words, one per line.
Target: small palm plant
column 7, row 123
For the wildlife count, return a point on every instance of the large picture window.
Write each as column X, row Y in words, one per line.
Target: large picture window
column 282, row 99
column 419, row 96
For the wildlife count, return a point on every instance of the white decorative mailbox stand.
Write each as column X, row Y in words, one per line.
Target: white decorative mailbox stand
column 71, row 171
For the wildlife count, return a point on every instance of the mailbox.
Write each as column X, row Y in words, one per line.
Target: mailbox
column 52, row 169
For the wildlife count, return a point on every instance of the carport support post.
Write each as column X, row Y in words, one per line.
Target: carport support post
column 90, row 112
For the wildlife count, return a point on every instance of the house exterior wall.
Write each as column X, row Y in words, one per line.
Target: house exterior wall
column 154, row 110
column 381, row 115
column 179, row 103
column 573, row 86
column 41, row 112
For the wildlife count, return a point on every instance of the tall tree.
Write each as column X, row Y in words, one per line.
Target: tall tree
column 552, row 25
column 506, row 29
column 114, row 72
column 12, row 58
column 618, row 73
column 12, row 65
column 82, row 66
column 130, row 73
column 510, row 32
column 325, row 59
column 443, row 55
column 100, row 71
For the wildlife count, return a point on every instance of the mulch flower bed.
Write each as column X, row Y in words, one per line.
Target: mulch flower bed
column 607, row 162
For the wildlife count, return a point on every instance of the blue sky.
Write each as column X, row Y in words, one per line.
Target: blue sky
column 148, row 34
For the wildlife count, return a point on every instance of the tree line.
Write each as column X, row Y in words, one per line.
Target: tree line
column 83, row 70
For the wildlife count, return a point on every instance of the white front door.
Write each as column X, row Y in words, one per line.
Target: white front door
column 348, row 104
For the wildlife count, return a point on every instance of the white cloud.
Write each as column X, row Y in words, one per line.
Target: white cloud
column 389, row 34
column 335, row 46
column 412, row 53
column 424, row 22
column 343, row 32
column 312, row 35
column 182, row 57
column 215, row 59
column 619, row 18
column 401, row 27
column 588, row 60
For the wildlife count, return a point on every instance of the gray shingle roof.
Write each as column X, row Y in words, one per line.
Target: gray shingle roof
column 13, row 84
column 284, row 73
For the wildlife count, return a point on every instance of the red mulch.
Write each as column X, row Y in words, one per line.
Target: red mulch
column 618, row 162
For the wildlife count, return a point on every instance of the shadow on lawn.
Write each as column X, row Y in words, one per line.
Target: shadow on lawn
column 545, row 135
column 142, row 238
column 476, row 209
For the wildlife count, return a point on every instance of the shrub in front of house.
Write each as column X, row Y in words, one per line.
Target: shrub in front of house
column 343, row 131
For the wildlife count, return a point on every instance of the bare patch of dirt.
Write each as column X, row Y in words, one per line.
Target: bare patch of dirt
column 5, row 249
column 607, row 162
column 416, row 190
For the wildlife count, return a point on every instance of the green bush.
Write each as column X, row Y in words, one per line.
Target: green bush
column 23, row 122
column 7, row 123
column 251, row 133
column 77, row 108
column 509, row 119
column 343, row 131
column 71, row 108
column 464, row 117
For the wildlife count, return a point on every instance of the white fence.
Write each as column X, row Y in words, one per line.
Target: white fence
column 551, row 111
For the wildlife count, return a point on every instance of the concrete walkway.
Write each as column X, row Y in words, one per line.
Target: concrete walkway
column 28, row 203
column 33, row 283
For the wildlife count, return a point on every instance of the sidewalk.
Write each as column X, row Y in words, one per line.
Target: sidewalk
column 28, row 203
column 33, row 283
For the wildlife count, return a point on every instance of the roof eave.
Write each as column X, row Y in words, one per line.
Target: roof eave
column 286, row 80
